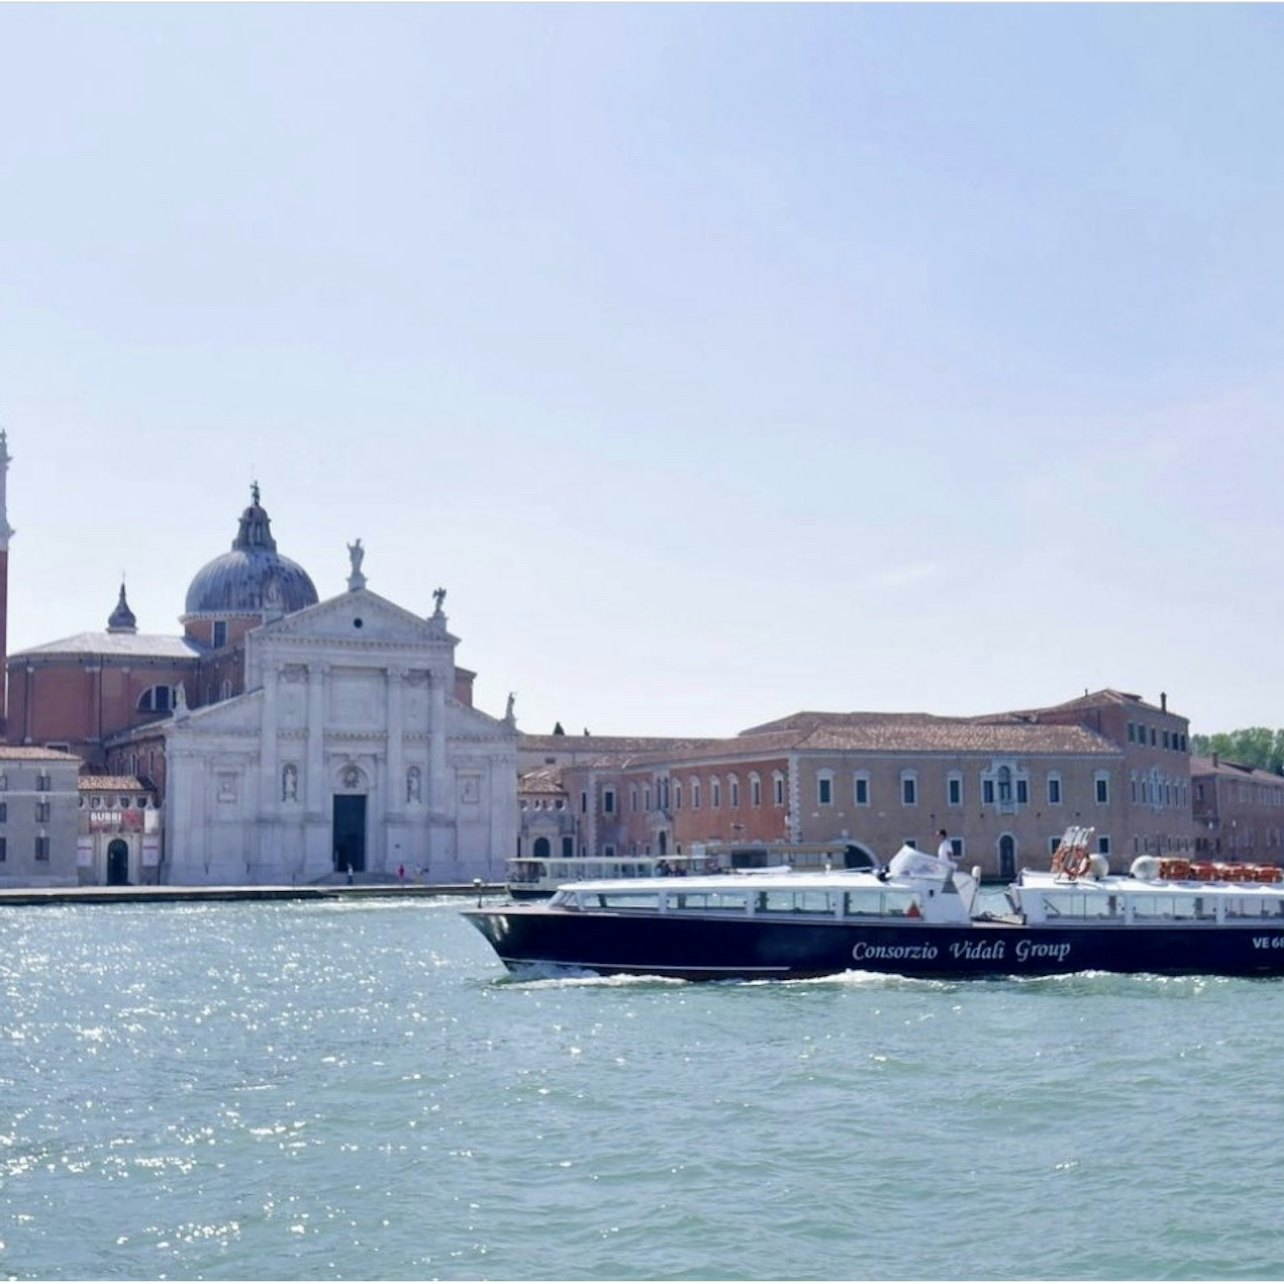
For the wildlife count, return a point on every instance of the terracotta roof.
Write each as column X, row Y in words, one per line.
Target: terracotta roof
column 602, row 744
column 112, row 785
column 1091, row 700
column 1237, row 770
column 811, row 718
column 541, row 780
column 904, row 734
column 139, row 646
column 34, row 753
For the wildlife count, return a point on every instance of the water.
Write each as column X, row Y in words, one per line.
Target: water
column 357, row 1091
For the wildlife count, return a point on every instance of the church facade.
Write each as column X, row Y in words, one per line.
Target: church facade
column 348, row 752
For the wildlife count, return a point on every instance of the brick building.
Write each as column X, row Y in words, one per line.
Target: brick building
column 1238, row 811
column 1004, row 786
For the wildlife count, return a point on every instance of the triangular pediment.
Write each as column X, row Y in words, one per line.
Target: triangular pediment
column 358, row 616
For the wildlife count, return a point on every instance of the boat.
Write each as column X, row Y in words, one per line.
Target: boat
column 538, row 877
column 535, row 877
column 919, row 917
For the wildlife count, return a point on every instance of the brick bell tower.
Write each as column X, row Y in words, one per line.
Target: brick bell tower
column 5, row 532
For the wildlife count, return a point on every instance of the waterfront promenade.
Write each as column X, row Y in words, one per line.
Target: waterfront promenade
column 174, row 895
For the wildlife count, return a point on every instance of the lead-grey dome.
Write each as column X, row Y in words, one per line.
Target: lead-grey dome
column 253, row 577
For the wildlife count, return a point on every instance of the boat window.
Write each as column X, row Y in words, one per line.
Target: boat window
column 794, row 902
column 1254, row 907
column 629, row 900
column 1151, row 907
column 1070, row 904
column 866, row 903
column 719, row 901
column 902, row 903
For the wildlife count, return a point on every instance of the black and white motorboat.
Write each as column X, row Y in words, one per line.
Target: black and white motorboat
column 920, row 917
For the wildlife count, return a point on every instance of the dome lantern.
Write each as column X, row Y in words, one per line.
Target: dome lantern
column 253, row 578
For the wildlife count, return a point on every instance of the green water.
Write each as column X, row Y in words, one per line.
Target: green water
column 291, row 1091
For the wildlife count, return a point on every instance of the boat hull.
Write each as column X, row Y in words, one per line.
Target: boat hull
column 700, row 948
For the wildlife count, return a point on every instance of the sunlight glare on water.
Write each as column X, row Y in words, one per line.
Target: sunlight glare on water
column 351, row 1091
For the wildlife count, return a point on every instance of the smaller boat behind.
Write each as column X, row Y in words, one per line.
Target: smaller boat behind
column 920, row 917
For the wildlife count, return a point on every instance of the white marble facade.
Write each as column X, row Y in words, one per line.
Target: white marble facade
column 347, row 748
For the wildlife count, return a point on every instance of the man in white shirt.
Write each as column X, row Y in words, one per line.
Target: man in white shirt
column 946, row 850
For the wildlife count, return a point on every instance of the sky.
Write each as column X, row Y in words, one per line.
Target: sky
column 720, row 361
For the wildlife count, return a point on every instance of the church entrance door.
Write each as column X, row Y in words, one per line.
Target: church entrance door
column 117, row 863
column 349, row 832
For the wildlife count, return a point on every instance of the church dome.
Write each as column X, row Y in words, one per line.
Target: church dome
column 253, row 577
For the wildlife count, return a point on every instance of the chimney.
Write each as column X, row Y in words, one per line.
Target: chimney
column 1163, row 701
column 1217, row 758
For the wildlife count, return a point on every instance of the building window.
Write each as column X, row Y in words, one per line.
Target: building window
column 156, row 700
column 1054, row 789
column 755, row 790
column 220, row 633
column 987, row 791
column 42, row 847
column 677, row 795
column 4, row 813
column 42, row 813
column 909, row 789
column 860, row 789
column 43, row 782
column 4, row 848
column 1103, row 787
column 583, row 802
column 1022, row 791
column 646, row 797
column 777, row 788
column 1103, row 844
column 1132, row 732
column 715, row 792
column 568, row 846
column 733, row 790
column 4, row 780
column 825, row 789
column 695, row 793
column 954, row 789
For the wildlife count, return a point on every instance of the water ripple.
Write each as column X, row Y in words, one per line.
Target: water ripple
column 297, row 1092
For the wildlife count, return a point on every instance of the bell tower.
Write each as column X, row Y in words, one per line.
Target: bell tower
column 5, row 532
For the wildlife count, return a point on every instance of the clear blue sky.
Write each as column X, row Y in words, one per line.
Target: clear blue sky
column 719, row 361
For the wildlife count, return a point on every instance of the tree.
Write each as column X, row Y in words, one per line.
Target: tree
column 1249, row 746
column 558, row 729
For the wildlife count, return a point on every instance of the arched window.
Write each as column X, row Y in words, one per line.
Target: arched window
column 715, row 792
column 695, row 793
column 777, row 788
column 156, row 700
column 733, row 791
column 755, row 790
